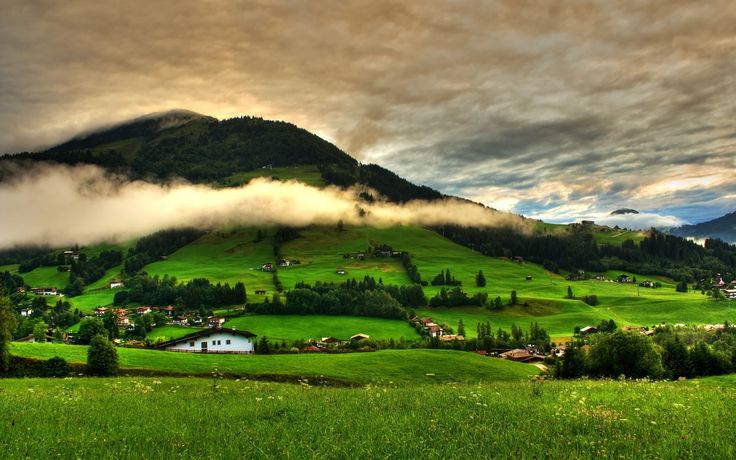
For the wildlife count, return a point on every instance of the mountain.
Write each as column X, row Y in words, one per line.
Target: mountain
column 723, row 228
column 202, row 149
column 624, row 211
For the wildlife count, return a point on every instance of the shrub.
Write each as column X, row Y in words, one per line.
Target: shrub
column 102, row 358
column 56, row 367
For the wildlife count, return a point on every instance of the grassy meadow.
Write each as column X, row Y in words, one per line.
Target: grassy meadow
column 189, row 418
column 407, row 366
column 295, row 327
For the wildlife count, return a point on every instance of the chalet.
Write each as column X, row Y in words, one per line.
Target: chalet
column 359, row 337
column 434, row 330
column 729, row 293
column 330, row 340
column 588, row 330
column 312, row 349
column 427, row 320
column 168, row 310
column 21, row 290
column 647, row 284
column 600, row 277
column 123, row 321
column 100, row 311
column 284, row 263
column 45, row 291
column 360, row 256
column 528, row 277
column 215, row 322
column 115, row 283
column 452, row 337
column 260, row 291
column 340, row 271
column 576, row 276
column 623, row 279
column 213, row 341
column 26, row 312
column 522, row 355
column 718, row 282
column 180, row 321
column 415, row 319
column 268, row 267
column 143, row 310
column 32, row 339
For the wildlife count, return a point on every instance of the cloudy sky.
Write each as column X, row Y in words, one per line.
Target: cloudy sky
column 559, row 110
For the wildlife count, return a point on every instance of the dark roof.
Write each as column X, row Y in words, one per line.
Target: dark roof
column 205, row 333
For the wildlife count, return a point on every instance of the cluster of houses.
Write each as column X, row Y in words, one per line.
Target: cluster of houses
column 727, row 289
column 528, row 354
column 432, row 329
column 269, row 267
column 46, row 291
column 123, row 319
column 326, row 343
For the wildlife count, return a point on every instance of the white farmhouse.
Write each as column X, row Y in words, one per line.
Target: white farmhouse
column 213, row 341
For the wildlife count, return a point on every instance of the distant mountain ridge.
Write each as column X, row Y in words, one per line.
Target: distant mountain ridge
column 202, row 149
column 723, row 228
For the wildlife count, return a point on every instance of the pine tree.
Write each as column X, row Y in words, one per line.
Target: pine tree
column 569, row 293
column 461, row 328
column 480, row 279
column 514, row 299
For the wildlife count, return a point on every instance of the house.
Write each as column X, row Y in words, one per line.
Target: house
column 260, row 291
column 100, row 311
column 729, row 293
column 647, row 284
column 21, row 290
column 45, row 291
column 268, row 267
column 26, row 312
column 358, row 337
column 452, row 337
column 519, row 259
column 622, row 279
column 522, row 355
column 330, row 340
column 434, row 330
column 213, row 341
column 215, row 322
column 528, row 277
column 143, row 310
column 600, row 277
column 718, row 282
column 340, row 271
column 284, row 263
column 168, row 310
column 180, row 321
column 360, row 256
column 32, row 339
column 116, row 283
column 588, row 330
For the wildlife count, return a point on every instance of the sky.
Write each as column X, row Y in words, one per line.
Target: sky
column 557, row 110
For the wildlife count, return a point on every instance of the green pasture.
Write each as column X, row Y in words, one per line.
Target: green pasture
column 408, row 366
column 308, row 174
column 123, row 417
column 226, row 256
column 296, row 327
column 170, row 332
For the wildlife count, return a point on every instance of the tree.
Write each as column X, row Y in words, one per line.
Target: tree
column 514, row 299
column 88, row 328
column 40, row 329
column 8, row 323
column 675, row 358
column 102, row 357
column 682, row 285
column 569, row 293
column 624, row 353
column 461, row 328
column 480, row 279
column 263, row 347
column 56, row 367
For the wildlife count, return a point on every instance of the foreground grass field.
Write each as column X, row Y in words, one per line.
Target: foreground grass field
column 408, row 366
column 201, row 418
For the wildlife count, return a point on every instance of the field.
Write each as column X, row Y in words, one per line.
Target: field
column 307, row 174
column 294, row 327
column 407, row 366
column 189, row 418
column 232, row 255
column 170, row 332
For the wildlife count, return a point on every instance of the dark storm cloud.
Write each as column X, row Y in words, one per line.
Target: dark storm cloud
column 508, row 102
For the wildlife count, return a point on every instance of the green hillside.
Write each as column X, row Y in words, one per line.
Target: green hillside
column 415, row 366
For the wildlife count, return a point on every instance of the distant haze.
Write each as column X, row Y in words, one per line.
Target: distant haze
column 60, row 205
column 559, row 109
